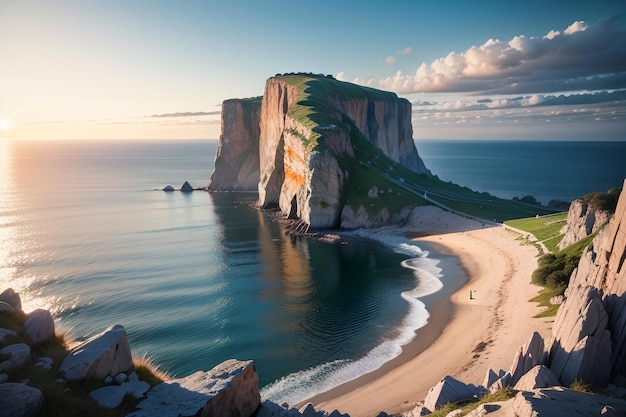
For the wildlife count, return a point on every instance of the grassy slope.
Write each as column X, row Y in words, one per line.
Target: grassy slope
column 545, row 228
column 371, row 167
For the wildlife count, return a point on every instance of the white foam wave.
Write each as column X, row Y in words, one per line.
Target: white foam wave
column 298, row 386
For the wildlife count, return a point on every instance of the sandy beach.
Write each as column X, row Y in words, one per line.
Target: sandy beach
column 464, row 337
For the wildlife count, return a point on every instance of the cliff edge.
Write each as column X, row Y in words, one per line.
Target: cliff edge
column 323, row 146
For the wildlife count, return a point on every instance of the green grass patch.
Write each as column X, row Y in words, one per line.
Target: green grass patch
column 546, row 228
column 543, row 299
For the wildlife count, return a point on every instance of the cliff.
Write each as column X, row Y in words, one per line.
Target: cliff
column 589, row 334
column 582, row 220
column 321, row 146
column 237, row 157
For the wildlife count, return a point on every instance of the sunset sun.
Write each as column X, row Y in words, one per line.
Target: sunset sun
column 5, row 125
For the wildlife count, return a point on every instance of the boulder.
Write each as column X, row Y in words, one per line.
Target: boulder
column 527, row 357
column 491, row 376
column 104, row 354
column 186, row 187
column 538, row 377
column 502, row 382
column 39, row 326
column 229, row 389
column 6, row 307
column 12, row 298
column 5, row 333
column 113, row 395
column 18, row 354
column 558, row 401
column 20, row 400
column 168, row 188
column 448, row 390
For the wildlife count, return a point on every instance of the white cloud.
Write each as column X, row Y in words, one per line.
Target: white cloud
column 582, row 57
column 405, row 51
column 390, row 60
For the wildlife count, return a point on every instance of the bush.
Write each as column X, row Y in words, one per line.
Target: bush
column 555, row 270
column 606, row 201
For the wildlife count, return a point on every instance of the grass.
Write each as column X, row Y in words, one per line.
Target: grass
column 67, row 399
column 543, row 299
column 546, row 229
column 580, row 386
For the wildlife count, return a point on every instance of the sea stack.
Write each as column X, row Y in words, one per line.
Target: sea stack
column 322, row 145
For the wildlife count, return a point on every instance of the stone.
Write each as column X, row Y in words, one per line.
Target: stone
column 490, row 378
column 6, row 307
column 186, row 187
column 4, row 378
column 559, row 401
column 538, row 377
column 45, row 363
column 168, row 188
column 527, row 357
column 448, row 390
column 582, row 221
column 104, row 354
column 6, row 333
column 18, row 355
column 12, row 298
column 120, row 378
column 503, row 382
column 229, row 389
column 19, row 400
column 39, row 326
column 112, row 396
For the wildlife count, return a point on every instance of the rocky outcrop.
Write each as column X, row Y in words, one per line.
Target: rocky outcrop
column 237, row 157
column 229, row 389
column 449, row 390
column 105, row 354
column 582, row 220
column 307, row 129
column 589, row 334
column 39, row 326
column 20, row 400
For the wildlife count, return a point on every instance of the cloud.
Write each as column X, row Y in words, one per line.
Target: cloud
column 390, row 60
column 405, row 51
column 188, row 114
column 582, row 57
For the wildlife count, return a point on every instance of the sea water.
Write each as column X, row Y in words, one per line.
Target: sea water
column 198, row 278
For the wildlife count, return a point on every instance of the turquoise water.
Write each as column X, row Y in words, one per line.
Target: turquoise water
column 199, row 278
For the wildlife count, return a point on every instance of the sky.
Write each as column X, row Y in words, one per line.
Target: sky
column 119, row 69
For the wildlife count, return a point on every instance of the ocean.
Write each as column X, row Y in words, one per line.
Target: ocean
column 198, row 278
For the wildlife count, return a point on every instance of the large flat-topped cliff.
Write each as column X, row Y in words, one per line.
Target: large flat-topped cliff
column 320, row 145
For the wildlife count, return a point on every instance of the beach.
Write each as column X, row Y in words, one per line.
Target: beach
column 466, row 334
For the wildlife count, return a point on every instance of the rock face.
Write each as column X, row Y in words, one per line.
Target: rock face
column 20, row 400
column 237, row 158
column 229, row 389
column 582, row 221
column 39, row 326
column 448, row 390
column 105, row 354
column 589, row 332
column 307, row 128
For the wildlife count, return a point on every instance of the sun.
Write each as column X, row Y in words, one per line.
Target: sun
column 5, row 125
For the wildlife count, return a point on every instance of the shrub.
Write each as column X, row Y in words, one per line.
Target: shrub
column 555, row 270
column 603, row 201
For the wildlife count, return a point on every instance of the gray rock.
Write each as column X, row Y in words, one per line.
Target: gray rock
column 168, row 188
column 502, row 382
column 104, row 354
column 527, row 357
column 560, row 401
column 5, row 333
column 448, row 390
column 18, row 354
column 4, row 378
column 490, row 378
column 45, row 363
column 6, row 307
column 12, row 298
column 39, row 326
column 112, row 396
column 186, row 187
column 229, row 389
column 120, row 378
column 19, row 400
column 538, row 377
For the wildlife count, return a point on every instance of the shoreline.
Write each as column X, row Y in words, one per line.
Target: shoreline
column 499, row 315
